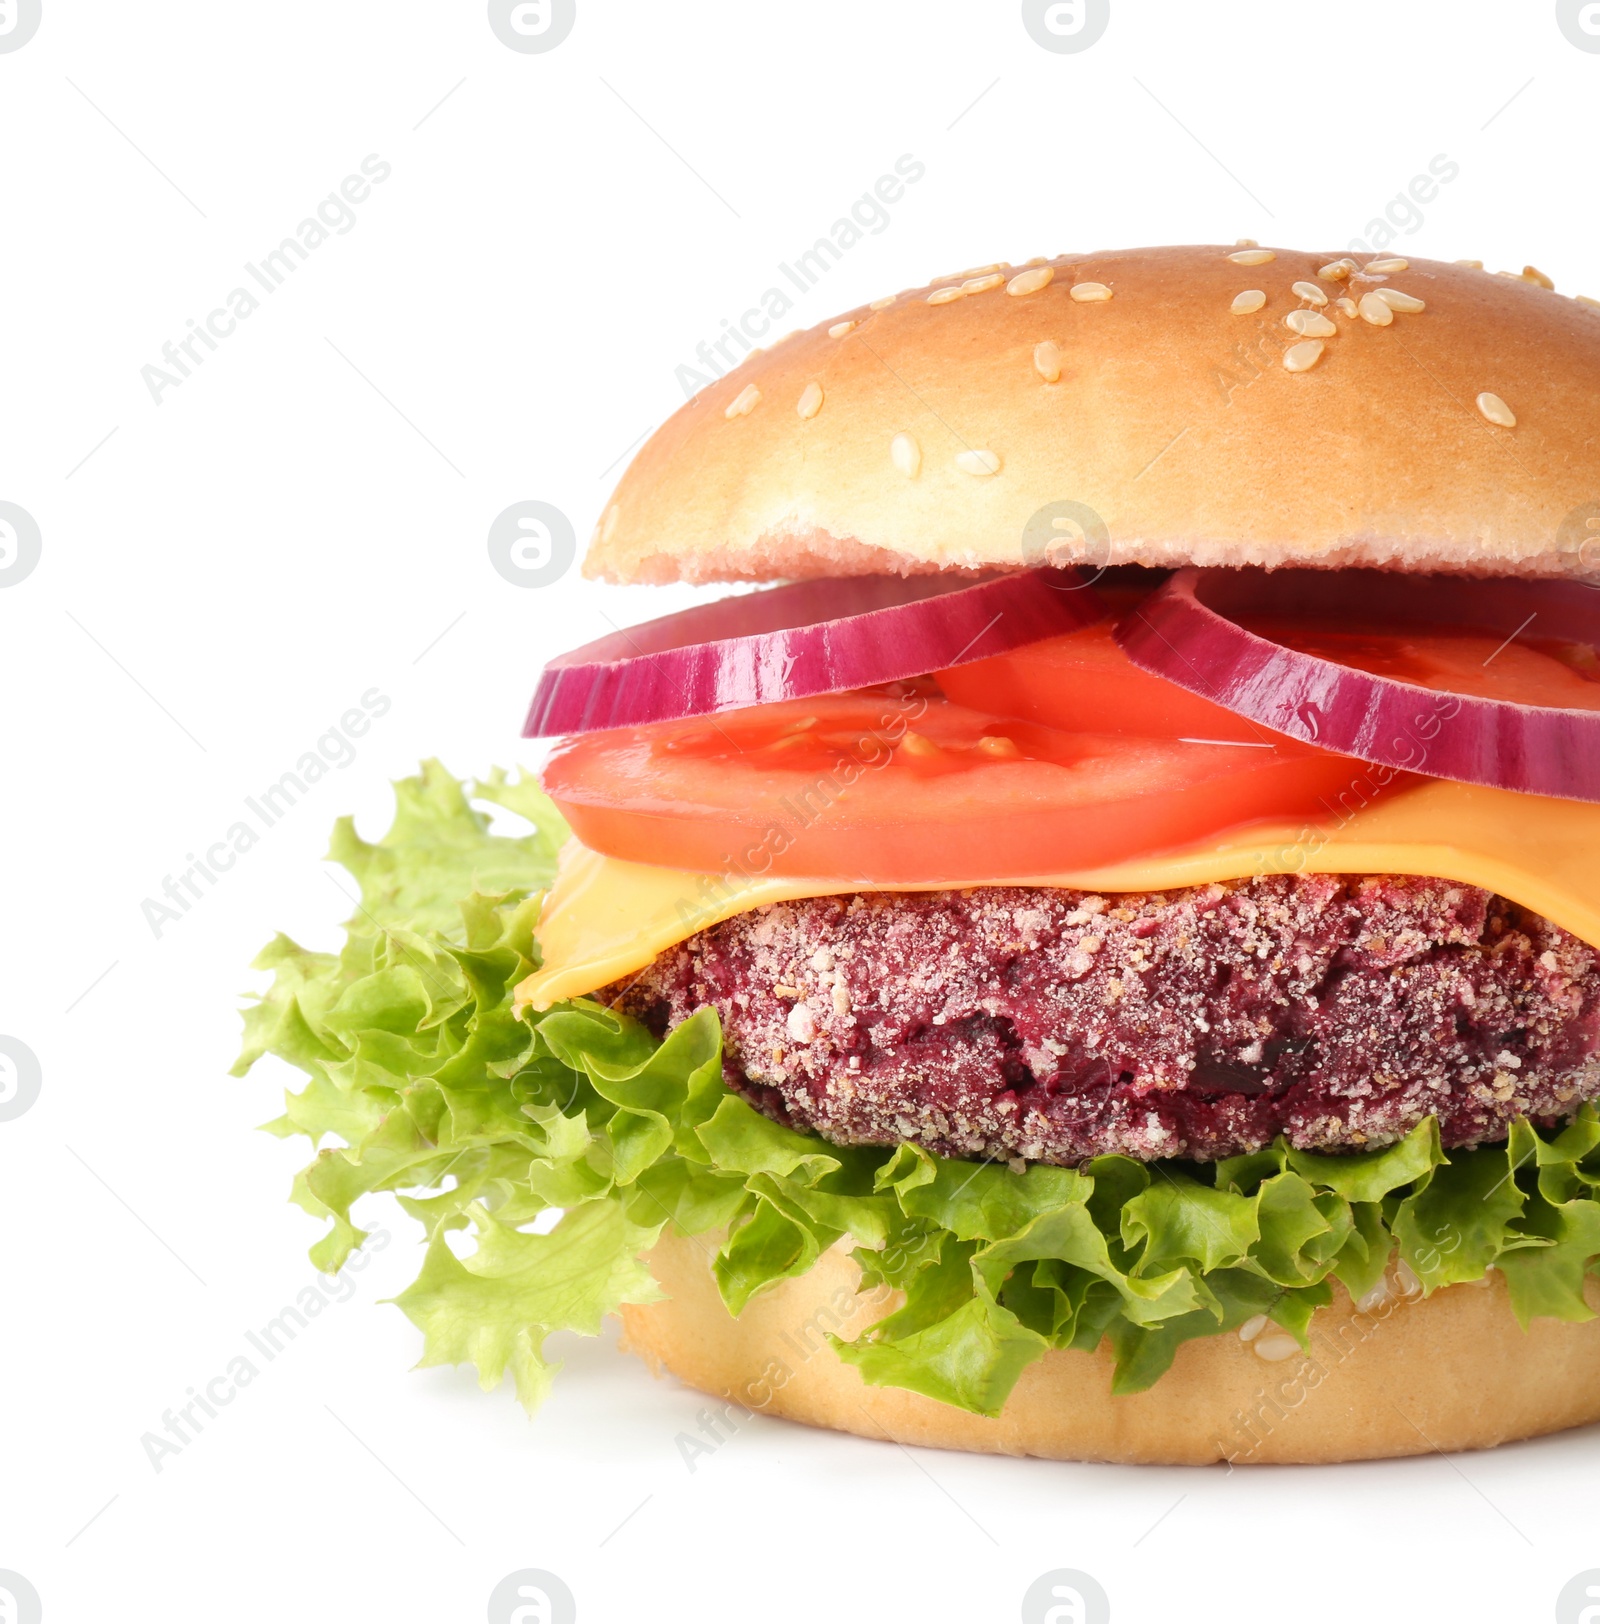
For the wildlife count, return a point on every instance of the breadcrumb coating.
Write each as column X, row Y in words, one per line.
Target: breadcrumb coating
column 1024, row 1024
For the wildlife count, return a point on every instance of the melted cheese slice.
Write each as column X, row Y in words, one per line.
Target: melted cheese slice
column 605, row 919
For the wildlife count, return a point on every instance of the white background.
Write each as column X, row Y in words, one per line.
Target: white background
column 234, row 567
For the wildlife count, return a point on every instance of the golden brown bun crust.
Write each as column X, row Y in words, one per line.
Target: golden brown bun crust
column 1173, row 419
column 1454, row 1371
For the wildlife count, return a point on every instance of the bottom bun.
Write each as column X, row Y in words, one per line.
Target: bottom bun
column 1453, row 1371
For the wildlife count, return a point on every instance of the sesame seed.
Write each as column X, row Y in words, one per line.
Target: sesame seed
column 1346, row 306
column 1047, row 360
column 947, row 295
column 1246, row 242
column 1339, row 270
column 743, row 403
column 982, row 284
column 1253, row 256
column 1471, row 264
column 1408, row 303
column 810, row 402
column 1302, row 357
column 1031, row 281
column 980, row 464
column 976, row 270
column 1248, row 302
column 1310, row 292
column 1584, row 299
column 1496, row 410
column 906, row 455
column 1277, row 1347
column 1309, row 324
column 1531, row 274
column 840, row 328
column 1090, row 292
column 1253, row 1327
column 1038, row 259
column 1387, row 267
column 1378, row 311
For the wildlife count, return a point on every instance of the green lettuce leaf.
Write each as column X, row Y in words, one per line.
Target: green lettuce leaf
column 496, row 1307
column 544, row 1155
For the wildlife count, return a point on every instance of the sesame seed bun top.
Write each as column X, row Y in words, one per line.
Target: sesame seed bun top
column 1164, row 406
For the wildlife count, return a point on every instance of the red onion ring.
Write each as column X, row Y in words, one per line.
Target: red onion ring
column 814, row 637
column 1187, row 632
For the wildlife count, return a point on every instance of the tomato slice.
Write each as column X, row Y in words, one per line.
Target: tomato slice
column 1082, row 680
column 905, row 787
column 1520, row 671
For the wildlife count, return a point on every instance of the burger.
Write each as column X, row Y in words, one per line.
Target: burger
column 1093, row 950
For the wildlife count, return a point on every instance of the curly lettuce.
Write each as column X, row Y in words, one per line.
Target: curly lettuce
column 565, row 1142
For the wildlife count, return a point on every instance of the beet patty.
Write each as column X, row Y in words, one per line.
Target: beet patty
column 1048, row 1025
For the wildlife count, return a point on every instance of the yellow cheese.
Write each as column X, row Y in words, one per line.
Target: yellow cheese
column 605, row 919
